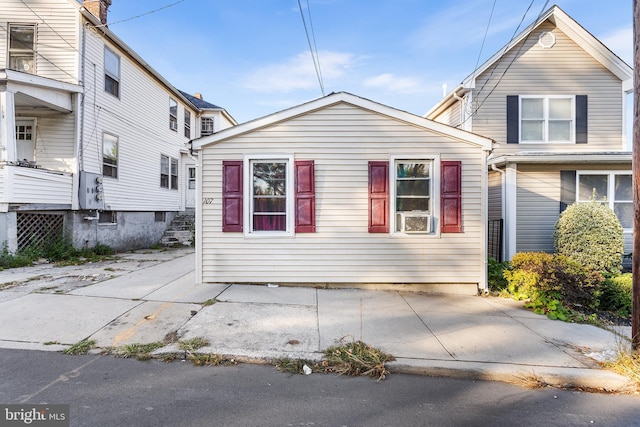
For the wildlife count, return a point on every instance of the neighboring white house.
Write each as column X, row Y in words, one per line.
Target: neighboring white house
column 554, row 100
column 93, row 141
column 343, row 191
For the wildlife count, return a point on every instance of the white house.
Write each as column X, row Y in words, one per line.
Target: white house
column 343, row 191
column 93, row 141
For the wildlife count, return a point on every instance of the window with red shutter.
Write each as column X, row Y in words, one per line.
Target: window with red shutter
column 232, row 195
column 305, row 198
column 378, row 197
column 451, row 197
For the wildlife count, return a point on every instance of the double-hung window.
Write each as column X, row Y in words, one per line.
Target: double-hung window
column 413, row 196
column 614, row 189
column 206, row 126
column 22, row 48
column 547, row 118
column 111, row 72
column 173, row 114
column 271, row 188
column 187, row 123
column 109, row 155
column 168, row 172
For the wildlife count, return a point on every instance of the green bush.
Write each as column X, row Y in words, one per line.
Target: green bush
column 552, row 283
column 495, row 276
column 591, row 234
column 616, row 295
column 53, row 250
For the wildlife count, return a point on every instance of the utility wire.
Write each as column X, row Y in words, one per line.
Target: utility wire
column 141, row 15
column 314, row 56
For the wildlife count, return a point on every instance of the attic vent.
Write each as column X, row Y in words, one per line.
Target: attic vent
column 547, row 40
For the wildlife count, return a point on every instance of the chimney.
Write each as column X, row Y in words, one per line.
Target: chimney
column 198, row 95
column 98, row 8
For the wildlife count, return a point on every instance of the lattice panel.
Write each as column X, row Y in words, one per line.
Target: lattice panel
column 37, row 228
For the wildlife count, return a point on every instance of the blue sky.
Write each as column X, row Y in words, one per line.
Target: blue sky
column 252, row 56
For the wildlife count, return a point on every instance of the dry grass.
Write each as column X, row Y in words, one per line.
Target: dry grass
column 627, row 363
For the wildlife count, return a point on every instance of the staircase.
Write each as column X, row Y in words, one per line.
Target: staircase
column 180, row 232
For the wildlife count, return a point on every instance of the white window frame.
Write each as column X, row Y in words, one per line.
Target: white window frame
column 17, row 52
column 173, row 116
column 173, row 167
column 611, row 187
column 207, row 129
column 248, row 194
column 545, row 118
column 435, row 195
column 116, row 167
column 113, row 75
column 187, row 123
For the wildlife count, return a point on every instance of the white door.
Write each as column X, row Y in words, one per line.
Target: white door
column 25, row 140
column 190, row 193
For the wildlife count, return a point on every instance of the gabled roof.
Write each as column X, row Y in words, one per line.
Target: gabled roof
column 337, row 98
column 573, row 30
column 204, row 106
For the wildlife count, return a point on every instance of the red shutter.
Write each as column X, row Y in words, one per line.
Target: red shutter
column 378, row 197
column 232, row 195
column 451, row 197
column 305, row 197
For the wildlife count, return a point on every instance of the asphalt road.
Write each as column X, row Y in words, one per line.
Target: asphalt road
column 106, row 391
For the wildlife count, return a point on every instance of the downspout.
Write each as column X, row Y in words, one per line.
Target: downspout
column 503, row 205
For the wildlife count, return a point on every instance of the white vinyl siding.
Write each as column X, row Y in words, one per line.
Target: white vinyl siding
column 341, row 140
column 141, row 142
column 564, row 69
column 56, row 37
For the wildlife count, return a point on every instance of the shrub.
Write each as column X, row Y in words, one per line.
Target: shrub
column 591, row 234
column 616, row 295
column 495, row 276
column 552, row 283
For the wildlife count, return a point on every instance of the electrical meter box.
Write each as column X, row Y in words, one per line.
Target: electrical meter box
column 91, row 193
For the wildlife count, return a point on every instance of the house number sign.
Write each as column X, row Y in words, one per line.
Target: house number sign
column 207, row 201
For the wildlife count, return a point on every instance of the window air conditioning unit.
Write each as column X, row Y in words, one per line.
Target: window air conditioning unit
column 173, row 125
column 415, row 222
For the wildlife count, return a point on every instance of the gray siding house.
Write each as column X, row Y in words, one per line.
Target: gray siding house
column 554, row 100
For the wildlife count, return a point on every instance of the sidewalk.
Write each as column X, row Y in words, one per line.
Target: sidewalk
column 144, row 296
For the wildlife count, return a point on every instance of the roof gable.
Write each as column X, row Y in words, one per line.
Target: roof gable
column 578, row 34
column 336, row 98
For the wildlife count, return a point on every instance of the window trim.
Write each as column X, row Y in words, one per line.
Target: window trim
column 209, row 130
column 435, row 195
column 109, row 75
column 187, row 123
column 248, row 192
column 22, row 52
column 546, row 98
column 610, row 198
column 116, row 167
column 174, row 166
column 173, row 118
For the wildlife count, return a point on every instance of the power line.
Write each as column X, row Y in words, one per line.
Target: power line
column 141, row 15
column 314, row 56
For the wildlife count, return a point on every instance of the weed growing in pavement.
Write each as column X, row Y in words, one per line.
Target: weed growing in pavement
column 209, row 302
column 355, row 358
column 190, row 346
column 626, row 363
column 81, row 347
column 206, row 359
column 138, row 351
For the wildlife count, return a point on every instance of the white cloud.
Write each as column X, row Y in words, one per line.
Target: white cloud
column 620, row 42
column 299, row 73
column 393, row 83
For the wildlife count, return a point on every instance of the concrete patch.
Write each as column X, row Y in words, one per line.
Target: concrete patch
column 140, row 283
column 248, row 329
column 185, row 289
column 147, row 323
column 269, row 295
column 65, row 319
